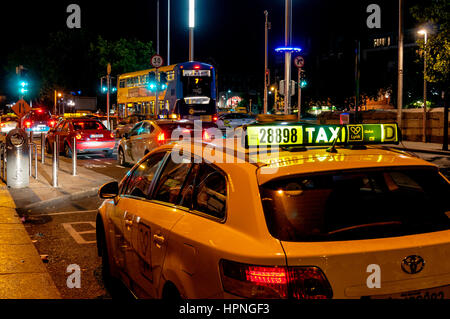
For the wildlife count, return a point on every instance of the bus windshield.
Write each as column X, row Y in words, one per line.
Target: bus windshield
column 196, row 86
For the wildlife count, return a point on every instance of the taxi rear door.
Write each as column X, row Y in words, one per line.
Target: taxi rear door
column 153, row 224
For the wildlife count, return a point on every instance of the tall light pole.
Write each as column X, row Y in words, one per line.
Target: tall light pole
column 191, row 29
column 287, row 56
column 424, row 124
column 168, row 32
column 266, row 71
column 400, row 64
column 157, row 26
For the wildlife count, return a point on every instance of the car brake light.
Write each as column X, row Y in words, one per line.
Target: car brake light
column 111, row 135
column 28, row 124
column 52, row 123
column 215, row 118
column 78, row 136
column 252, row 281
column 161, row 137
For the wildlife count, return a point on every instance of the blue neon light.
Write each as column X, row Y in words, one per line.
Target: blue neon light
column 288, row 49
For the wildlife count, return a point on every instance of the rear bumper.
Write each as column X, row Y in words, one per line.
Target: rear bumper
column 95, row 146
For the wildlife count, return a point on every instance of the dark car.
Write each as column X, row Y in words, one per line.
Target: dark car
column 38, row 120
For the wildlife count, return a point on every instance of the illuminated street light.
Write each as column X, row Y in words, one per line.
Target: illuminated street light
column 191, row 29
column 424, row 129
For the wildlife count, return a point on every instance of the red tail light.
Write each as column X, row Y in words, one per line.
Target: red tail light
column 274, row 282
column 78, row 136
column 28, row 124
column 51, row 123
column 215, row 118
column 161, row 137
column 111, row 135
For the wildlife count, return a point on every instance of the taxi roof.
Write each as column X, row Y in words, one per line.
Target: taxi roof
column 318, row 159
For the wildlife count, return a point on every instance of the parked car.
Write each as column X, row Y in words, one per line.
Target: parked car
column 90, row 134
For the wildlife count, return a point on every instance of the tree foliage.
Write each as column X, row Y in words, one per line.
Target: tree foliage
column 435, row 16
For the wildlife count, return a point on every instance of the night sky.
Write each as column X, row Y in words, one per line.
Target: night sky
column 230, row 32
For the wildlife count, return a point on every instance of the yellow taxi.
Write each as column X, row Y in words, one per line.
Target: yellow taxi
column 285, row 210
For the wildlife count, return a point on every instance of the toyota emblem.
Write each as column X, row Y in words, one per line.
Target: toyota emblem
column 413, row 264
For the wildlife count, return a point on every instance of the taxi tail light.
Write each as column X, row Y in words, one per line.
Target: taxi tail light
column 251, row 281
column 28, row 124
column 161, row 138
column 215, row 118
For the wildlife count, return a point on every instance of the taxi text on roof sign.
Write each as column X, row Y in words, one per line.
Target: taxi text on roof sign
column 316, row 135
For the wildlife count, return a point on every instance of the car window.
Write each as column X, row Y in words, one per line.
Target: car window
column 146, row 128
column 135, row 130
column 88, row 125
column 171, row 181
column 139, row 182
column 363, row 204
column 210, row 192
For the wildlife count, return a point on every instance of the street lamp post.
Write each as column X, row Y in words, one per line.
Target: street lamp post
column 191, row 29
column 266, row 71
column 424, row 124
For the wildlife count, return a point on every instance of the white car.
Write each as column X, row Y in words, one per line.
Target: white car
column 233, row 120
column 8, row 123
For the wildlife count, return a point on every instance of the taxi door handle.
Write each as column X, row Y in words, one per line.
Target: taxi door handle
column 158, row 239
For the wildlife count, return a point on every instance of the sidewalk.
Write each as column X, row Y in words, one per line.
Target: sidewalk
column 432, row 148
column 41, row 193
column 22, row 272
column 23, row 275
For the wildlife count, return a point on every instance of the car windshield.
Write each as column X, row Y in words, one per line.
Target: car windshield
column 88, row 125
column 355, row 205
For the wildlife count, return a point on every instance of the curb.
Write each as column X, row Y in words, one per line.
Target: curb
column 75, row 196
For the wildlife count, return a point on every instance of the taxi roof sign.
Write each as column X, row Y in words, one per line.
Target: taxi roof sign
column 303, row 134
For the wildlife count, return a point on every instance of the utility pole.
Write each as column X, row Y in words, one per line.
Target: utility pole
column 424, row 124
column 400, row 64
column 445, row 99
column 266, row 71
column 191, row 29
column 287, row 56
column 299, row 106
column 157, row 26
column 168, row 32
column 108, row 84
column 357, row 59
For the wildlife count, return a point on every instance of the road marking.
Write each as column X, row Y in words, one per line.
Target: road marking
column 120, row 166
column 77, row 235
column 73, row 212
column 96, row 159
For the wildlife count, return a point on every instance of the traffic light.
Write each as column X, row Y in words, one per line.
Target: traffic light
column 23, row 87
column 104, row 89
column 163, row 80
column 303, row 82
column 151, row 81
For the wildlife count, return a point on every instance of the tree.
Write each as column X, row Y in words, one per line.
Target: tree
column 437, row 14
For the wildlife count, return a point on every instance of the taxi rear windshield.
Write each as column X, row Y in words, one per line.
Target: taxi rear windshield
column 363, row 204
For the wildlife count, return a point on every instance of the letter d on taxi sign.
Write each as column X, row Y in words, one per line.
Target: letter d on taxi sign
column 389, row 133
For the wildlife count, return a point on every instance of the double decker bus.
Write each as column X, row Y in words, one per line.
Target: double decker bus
column 190, row 92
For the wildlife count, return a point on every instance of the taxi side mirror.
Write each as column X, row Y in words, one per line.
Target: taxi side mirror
column 109, row 190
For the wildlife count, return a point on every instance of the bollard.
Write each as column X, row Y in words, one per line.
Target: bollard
column 74, row 157
column 55, row 165
column 35, row 161
column 30, row 158
column 43, row 148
